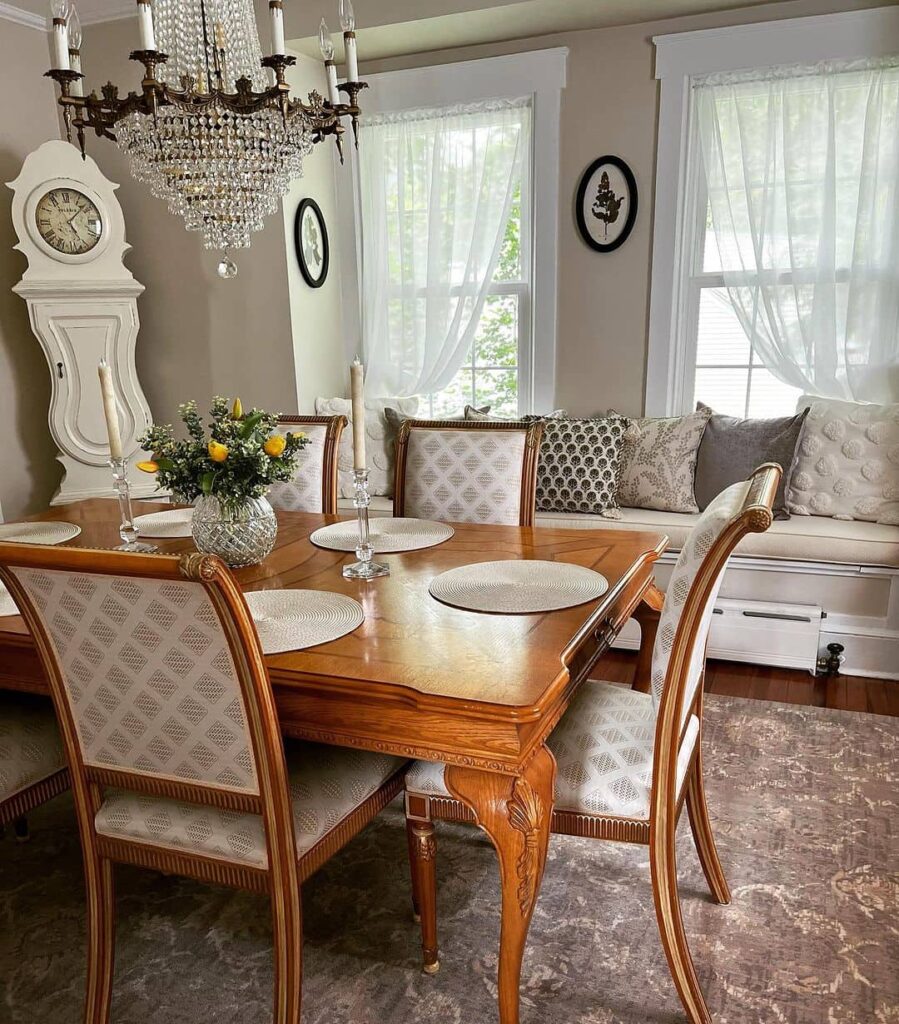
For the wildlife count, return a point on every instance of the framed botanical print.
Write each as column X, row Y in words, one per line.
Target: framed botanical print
column 310, row 239
column 606, row 204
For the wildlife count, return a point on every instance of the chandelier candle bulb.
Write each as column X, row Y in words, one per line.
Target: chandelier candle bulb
column 326, row 45
column 357, row 394
column 73, row 23
column 348, row 24
column 110, row 410
column 276, row 12
column 145, row 25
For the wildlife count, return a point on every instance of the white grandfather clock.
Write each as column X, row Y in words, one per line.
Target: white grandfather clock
column 82, row 301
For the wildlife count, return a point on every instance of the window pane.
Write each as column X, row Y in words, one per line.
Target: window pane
column 770, row 397
column 499, row 390
column 721, row 340
column 451, row 401
column 508, row 267
column 723, row 390
column 496, row 343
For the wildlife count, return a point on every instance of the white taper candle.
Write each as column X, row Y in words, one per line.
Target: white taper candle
column 59, row 40
column 352, row 62
column 276, row 13
column 333, row 89
column 357, row 395
column 110, row 410
column 145, row 25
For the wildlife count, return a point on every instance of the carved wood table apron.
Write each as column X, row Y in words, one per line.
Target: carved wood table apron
column 424, row 680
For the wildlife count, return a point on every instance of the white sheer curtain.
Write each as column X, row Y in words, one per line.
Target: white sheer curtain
column 436, row 190
column 802, row 173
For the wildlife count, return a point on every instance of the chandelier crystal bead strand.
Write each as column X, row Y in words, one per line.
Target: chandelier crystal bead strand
column 213, row 130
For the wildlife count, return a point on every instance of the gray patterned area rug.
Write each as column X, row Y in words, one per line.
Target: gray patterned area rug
column 804, row 802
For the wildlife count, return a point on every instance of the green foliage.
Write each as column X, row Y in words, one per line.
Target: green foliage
column 245, row 470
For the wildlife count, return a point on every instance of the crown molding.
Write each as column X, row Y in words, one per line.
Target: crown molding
column 18, row 16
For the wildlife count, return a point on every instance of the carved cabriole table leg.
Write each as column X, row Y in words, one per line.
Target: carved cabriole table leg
column 515, row 812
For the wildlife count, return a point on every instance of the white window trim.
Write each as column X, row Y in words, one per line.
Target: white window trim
column 679, row 57
column 539, row 74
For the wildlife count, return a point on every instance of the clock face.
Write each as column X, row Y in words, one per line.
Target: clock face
column 68, row 221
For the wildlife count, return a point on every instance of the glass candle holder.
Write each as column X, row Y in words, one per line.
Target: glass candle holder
column 127, row 529
column 364, row 568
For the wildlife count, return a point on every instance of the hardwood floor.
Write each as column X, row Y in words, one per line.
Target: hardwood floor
column 846, row 693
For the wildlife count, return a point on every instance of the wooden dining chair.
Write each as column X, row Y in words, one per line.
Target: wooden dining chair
column 32, row 762
column 628, row 761
column 172, row 739
column 467, row 472
column 314, row 485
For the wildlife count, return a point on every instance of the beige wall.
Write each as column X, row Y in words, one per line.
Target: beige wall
column 29, row 471
column 199, row 335
column 609, row 106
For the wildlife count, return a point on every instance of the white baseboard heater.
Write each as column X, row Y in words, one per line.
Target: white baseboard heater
column 758, row 632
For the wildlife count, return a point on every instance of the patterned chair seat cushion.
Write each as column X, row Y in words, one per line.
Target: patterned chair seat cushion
column 326, row 785
column 604, row 750
column 30, row 744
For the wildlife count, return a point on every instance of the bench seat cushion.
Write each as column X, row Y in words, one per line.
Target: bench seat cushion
column 802, row 538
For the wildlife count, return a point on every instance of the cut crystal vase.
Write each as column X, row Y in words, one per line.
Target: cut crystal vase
column 240, row 532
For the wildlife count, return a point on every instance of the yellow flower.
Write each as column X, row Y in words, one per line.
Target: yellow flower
column 147, row 467
column 298, row 434
column 236, row 410
column 218, row 452
column 275, row 445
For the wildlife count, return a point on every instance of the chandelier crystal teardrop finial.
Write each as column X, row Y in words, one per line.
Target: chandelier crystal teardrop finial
column 213, row 129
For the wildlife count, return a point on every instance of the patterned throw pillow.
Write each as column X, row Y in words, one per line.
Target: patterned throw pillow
column 578, row 469
column 380, row 441
column 847, row 462
column 658, row 462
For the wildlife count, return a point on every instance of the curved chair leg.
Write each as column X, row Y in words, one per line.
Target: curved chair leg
column 287, row 922
column 698, row 810
column 100, row 937
column 671, row 926
column 423, row 862
column 412, row 841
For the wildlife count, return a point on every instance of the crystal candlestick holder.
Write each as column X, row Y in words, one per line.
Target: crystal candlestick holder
column 127, row 529
column 364, row 568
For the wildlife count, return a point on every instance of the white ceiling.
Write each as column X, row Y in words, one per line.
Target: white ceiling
column 392, row 27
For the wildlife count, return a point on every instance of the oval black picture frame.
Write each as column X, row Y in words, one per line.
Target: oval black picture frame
column 631, row 183
column 313, row 282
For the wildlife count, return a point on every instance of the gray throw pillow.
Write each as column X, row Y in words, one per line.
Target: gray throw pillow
column 395, row 419
column 731, row 448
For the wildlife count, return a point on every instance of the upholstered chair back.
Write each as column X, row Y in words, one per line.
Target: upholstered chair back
column 158, row 680
column 678, row 658
column 474, row 472
column 314, row 486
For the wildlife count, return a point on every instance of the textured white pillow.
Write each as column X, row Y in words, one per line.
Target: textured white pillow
column 380, row 441
column 847, row 462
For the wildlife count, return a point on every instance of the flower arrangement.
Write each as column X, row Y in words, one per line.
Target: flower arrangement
column 241, row 456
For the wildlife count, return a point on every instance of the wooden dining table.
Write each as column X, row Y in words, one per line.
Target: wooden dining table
column 421, row 679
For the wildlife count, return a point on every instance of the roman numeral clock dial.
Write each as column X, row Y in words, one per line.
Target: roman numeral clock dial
column 68, row 221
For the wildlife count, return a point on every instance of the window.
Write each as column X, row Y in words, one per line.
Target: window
column 456, row 234
column 490, row 374
column 728, row 373
column 775, row 252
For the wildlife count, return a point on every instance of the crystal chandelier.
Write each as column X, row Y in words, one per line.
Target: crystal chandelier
column 213, row 130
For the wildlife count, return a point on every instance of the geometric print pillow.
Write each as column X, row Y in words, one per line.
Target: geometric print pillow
column 578, row 468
